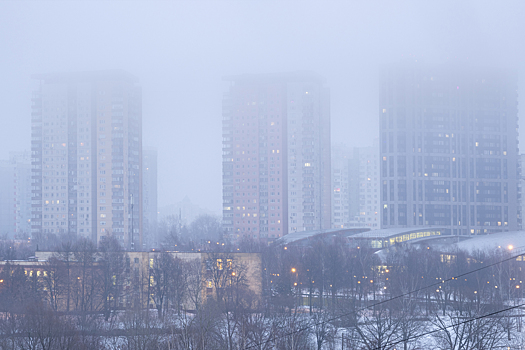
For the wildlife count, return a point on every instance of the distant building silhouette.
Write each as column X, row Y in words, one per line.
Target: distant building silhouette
column 276, row 155
column 185, row 212
column 15, row 195
column 86, row 156
column 449, row 148
column 149, row 196
column 355, row 183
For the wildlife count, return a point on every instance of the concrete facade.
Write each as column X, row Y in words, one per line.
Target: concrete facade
column 449, row 149
column 369, row 189
column 86, row 153
column 149, row 197
column 15, row 196
column 276, row 155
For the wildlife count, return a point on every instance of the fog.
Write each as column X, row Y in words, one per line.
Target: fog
column 181, row 50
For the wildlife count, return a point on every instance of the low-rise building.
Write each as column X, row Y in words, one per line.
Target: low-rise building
column 210, row 273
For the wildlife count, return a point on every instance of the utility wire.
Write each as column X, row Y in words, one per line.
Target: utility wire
column 450, row 326
column 513, row 257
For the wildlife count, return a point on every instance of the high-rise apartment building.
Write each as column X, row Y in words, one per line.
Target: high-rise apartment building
column 369, row 189
column 276, row 155
column 149, row 197
column 344, row 190
column 449, row 148
column 86, row 151
column 15, row 195
column 355, row 187
column 7, row 199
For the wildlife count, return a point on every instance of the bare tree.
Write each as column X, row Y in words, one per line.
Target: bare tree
column 160, row 280
column 142, row 332
column 14, row 292
column 323, row 330
column 378, row 329
column 168, row 281
column 65, row 254
column 87, row 280
column 261, row 329
column 194, row 282
column 293, row 333
column 113, row 265
column 457, row 334
column 205, row 227
column 55, row 280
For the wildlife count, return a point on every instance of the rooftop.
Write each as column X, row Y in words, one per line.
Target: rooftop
column 513, row 240
column 390, row 232
column 301, row 235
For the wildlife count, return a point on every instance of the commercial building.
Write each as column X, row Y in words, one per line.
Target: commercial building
column 449, row 149
column 385, row 238
column 86, row 151
column 276, row 155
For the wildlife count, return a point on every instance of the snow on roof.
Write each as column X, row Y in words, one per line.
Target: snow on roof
column 297, row 236
column 513, row 240
column 390, row 232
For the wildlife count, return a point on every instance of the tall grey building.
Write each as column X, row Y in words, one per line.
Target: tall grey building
column 369, row 185
column 86, row 150
column 449, row 148
column 355, row 183
column 7, row 210
column 276, row 155
column 344, row 205
column 15, row 195
column 149, row 197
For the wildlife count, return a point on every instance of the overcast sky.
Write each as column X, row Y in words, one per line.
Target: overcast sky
column 181, row 49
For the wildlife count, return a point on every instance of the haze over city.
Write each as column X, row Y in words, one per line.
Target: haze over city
column 180, row 51
column 272, row 175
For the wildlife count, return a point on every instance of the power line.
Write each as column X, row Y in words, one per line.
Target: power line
column 513, row 257
column 450, row 326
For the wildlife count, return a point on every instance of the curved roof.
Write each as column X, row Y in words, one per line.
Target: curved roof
column 513, row 240
column 392, row 232
column 305, row 235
